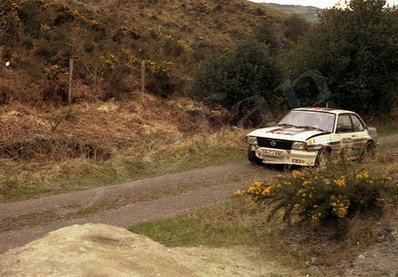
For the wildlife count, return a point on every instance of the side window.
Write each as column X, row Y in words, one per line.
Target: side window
column 357, row 124
column 344, row 124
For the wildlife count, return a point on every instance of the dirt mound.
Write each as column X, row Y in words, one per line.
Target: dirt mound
column 103, row 250
column 91, row 250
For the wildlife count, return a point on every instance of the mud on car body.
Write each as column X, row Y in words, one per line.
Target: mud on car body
column 306, row 136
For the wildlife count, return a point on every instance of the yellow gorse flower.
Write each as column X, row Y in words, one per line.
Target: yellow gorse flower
column 362, row 175
column 340, row 182
column 256, row 188
column 315, row 217
column 339, row 206
column 239, row 193
column 267, row 191
column 341, row 212
column 296, row 174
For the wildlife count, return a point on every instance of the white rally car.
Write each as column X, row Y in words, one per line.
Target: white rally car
column 306, row 136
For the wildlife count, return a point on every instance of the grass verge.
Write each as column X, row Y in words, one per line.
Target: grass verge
column 223, row 224
column 312, row 249
column 24, row 180
column 232, row 223
column 300, row 247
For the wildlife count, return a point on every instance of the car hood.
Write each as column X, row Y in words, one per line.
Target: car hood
column 286, row 133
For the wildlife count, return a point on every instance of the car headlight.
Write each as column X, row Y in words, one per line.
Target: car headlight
column 299, row 145
column 252, row 140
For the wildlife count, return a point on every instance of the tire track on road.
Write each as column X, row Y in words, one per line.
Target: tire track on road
column 194, row 190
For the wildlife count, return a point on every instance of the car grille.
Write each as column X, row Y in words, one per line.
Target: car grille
column 278, row 144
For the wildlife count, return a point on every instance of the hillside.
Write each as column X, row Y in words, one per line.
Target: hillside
column 109, row 118
column 308, row 12
column 109, row 39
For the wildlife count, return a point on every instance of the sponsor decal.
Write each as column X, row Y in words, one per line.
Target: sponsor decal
column 297, row 161
column 280, row 132
column 287, row 132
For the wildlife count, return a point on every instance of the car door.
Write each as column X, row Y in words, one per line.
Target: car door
column 345, row 134
column 359, row 138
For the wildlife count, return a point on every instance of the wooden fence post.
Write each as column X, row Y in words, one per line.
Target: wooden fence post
column 143, row 76
column 70, row 82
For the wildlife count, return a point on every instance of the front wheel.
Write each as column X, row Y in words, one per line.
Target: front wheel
column 251, row 155
column 322, row 158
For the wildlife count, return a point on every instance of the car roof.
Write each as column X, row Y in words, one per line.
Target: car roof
column 324, row 110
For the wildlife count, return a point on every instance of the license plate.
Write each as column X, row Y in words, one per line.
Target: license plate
column 271, row 153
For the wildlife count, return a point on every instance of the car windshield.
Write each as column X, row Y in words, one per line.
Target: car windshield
column 309, row 119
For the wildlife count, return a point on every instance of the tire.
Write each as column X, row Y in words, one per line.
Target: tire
column 367, row 152
column 251, row 155
column 322, row 158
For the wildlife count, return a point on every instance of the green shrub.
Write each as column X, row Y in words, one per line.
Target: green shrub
column 296, row 27
column 160, row 83
column 265, row 33
column 356, row 56
column 33, row 14
column 10, row 22
column 246, row 71
column 335, row 194
column 173, row 48
column 159, row 78
column 53, row 72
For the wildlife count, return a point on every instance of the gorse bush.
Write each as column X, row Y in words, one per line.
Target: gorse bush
column 48, row 33
column 247, row 70
column 335, row 194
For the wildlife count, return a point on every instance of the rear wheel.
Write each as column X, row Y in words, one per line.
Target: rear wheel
column 251, row 155
column 367, row 152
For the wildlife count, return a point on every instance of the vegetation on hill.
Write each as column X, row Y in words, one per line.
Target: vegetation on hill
column 238, row 50
column 342, row 60
column 248, row 70
column 356, row 56
column 113, row 132
column 109, row 39
column 308, row 12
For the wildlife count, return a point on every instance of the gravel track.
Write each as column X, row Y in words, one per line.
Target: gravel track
column 131, row 203
column 125, row 204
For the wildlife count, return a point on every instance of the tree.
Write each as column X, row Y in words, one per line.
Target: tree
column 296, row 27
column 265, row 33
column 246, row 71
column 355, row 48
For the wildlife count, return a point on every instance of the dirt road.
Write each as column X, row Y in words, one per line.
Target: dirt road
column 125, row 204
column 130, row 203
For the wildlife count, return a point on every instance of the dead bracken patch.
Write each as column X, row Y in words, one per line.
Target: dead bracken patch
column 99, row 130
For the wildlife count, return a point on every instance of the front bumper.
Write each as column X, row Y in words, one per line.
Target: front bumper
column 279, row 156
